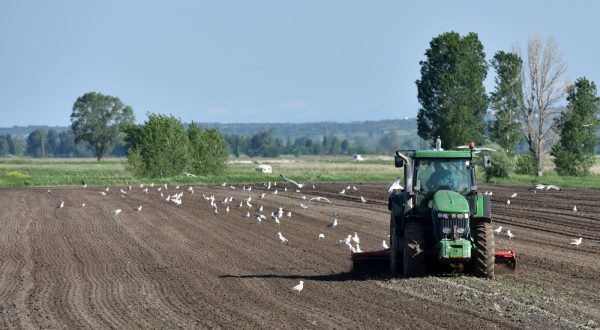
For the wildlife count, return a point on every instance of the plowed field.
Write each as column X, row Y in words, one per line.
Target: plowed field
column 171, row 266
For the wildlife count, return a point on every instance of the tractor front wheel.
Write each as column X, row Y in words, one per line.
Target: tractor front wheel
column 483, row 250
column 414, row 249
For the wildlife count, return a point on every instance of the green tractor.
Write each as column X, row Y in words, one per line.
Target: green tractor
column 438, row 220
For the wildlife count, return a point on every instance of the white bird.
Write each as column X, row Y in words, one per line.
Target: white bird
column 107, row 188
column 321, row 236
column 343, row 191
column 353, row 187
column 177, row 187
column 289, row 214
column 223, row 184
column 216, row 211
column 282, row 239
column 303, row 206
column 303, row 197
column 513, row 195
column 348, row 188
column 498, row 230
column 491, row 193
column 123, row 191
column 575, row 208
column 275, row 192
column 384, row 244
column 261, row 217
column 318, row 199
column 438, row 143
column 351, row 248
column 333, row 224
column 355, row 238
column 246, row 215
column 362, row 199
column 176, row 201
column 299, row 287
column 262, row 195
column 510, row 235
column 103, row 193
column 227, row 209
column 115, row 212
column 299, row 185
column 395, row 185
column 61, row 205
column 145, row 190
column 577, row 241
column 358, row 250
column 508, row 202
column 346, row 240
column 138, row 209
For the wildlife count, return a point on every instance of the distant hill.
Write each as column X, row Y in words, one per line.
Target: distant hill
column 368, row 132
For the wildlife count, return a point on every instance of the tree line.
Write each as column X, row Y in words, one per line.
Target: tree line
column 524, row 108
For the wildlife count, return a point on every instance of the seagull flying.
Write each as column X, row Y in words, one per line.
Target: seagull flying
column 299, row 185
column 395, row 185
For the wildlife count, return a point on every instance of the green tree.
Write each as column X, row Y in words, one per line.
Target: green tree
column 53, row 142
column 389, row 143
column 16, row 147
column 37, row 143
column 235, row 144
column 99, row 119
column 451, row 90
column 506, row 101
column 3, row 146
column 158, row 148
column 575, row 152
column 263, row 144
column 344, row 146
column 208, row 150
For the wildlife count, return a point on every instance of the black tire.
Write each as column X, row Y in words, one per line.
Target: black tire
column 483, row 254
column 395, row 249
column 414, row 246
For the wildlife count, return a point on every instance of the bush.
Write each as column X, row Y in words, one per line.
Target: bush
column 208, row 150
column 158, row 148
column 502, row 164
column 525, row 165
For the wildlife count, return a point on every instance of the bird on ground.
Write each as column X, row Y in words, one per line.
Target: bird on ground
column 362, row 199
column 246, row 215
column 82, row 204
column 138, row 209
column 384, row 244
column 177, row 187
column 513, row 195
column 259, row 209
column 346, row 240
column 321, row 236
column 262, row 195
column 348, row 188
column 343, row 191
column 223, row 184
column 298, row 287
column 498, row 230
column 49, row 192
column 159, row 189
column 103, row 193
column 303, row 197
column 304, row 206
column 145, row 190
column 358, row 250
column 227, row 209
column 123, row 191
column 216, row 211
column 60, row 205
column 509, row 234
column 575, row 208
column 289, row 214
column 396, row 185
column 176, row 201
column 275, row 192
column 107, row 188
column 353, row 187
column 299, row 185
column 577, row 241
column 115, row 211
column 355, row 238
column 351, row 248
column 261, row 217
column 281, row 238
column 83, row 184
column 508, row 202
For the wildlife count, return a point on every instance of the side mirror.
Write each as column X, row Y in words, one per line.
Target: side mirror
column 487, row 161
column 398, row 161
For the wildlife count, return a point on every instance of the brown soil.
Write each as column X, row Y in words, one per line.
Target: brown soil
column 182, row 266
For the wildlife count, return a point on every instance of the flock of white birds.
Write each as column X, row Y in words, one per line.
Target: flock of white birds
column 258, row 213
column 352, row 241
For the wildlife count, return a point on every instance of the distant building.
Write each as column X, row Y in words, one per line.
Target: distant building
column 264, row 169
column 358, row 158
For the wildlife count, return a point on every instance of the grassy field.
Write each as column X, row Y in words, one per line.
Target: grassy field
column 22, row 172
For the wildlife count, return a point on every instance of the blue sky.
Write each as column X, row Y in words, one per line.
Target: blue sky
column 257, row 61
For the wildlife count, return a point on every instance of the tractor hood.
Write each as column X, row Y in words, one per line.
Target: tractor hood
column 450, row 201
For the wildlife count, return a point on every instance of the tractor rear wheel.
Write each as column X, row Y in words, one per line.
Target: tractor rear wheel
column 414, row 249
column 482, row 255
column 395, row 249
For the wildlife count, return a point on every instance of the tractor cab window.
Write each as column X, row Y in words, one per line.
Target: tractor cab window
column 449, row 174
